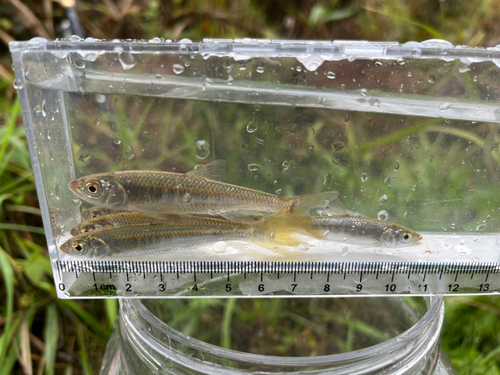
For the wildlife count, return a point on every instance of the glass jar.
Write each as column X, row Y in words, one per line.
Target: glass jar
column 143, row 343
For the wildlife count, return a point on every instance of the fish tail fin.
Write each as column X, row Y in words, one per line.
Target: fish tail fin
column 302, row 204
column 279, row 231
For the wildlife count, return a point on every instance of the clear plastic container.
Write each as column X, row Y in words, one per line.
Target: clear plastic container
column 408, row 133
column 143, row 342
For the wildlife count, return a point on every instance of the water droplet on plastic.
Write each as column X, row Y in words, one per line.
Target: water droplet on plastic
column 344, row 252
column 327, row 180
column 38, row 109
column 99, row 98
column 298, row 68
column 219, row 247
column 444, row 106
column 117, row 141
column 44, row 112
column 127, row 60
column 481, row 227
column 202, row 149
column 474, row 79
column 75, row 38
column 362, row 189
column 77, row 202
column 157, row 40
column 291, row 128
column 383, row 199
column 431, row 79
column 252, row 126
column 463, row 68
column 396, row 165
column 364, row 92
column 97, row 121
column 78, row 62
column 387, row 180
column 378, row 63
column 84, row 158
column 383, row 215
column 330, row 75
column 364, row 177
column 284, row 165
column 405, row 215
column 178, row 68
column 230, row 80
column 129, row 153
column 18, row 84
column 304, row 246
column 186, row 198
column 415, row 187
column 253, row 167
column 260, row 69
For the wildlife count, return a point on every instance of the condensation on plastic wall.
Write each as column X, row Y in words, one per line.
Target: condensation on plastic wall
column 141, row 343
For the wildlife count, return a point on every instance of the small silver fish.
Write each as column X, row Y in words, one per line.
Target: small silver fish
column 134, row 218
column 148, row 239
column 154, row 193
column 359, row 230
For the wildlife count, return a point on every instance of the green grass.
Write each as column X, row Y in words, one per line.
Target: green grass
column 40, row 334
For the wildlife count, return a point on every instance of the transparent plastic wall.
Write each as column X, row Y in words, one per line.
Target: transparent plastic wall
column 407, row 133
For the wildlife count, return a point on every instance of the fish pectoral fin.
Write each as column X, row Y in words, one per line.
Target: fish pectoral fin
column 243, row 217
column 327, row 201
column 215, row 170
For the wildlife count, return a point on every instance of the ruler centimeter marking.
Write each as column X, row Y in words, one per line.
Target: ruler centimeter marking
column 90, row 279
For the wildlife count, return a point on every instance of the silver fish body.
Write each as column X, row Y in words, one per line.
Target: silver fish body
column 362, row 230
column 153, row 193
column 148, row 239
column 135, row 218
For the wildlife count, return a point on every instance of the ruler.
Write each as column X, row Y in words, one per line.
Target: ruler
column 105, row 279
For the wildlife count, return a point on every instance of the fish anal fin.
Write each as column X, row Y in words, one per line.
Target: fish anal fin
column 215, row 170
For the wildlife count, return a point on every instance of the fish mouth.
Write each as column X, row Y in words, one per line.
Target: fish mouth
column 73, row 185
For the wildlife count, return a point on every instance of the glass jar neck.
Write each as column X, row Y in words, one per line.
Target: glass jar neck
column 163, row 348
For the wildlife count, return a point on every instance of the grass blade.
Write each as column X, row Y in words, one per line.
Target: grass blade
column 84, row 356
column 51, row 335
column 226, row 323
column 111, row 306
column 8, row 278
column 9, row 129
column 87, row 318
column 22, row 228
column 24, row 343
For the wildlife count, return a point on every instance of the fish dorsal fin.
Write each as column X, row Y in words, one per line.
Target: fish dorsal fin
column 335, row 207
column 243, row 217
column 215, row 170
column 305, row 203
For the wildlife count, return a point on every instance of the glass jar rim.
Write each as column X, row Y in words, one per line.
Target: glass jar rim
column 426, row 330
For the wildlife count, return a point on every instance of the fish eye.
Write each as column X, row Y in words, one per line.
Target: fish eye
column 405, row 236
column 79, row 247
column 93, row 215
column 85, row 229
column 93, row 188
